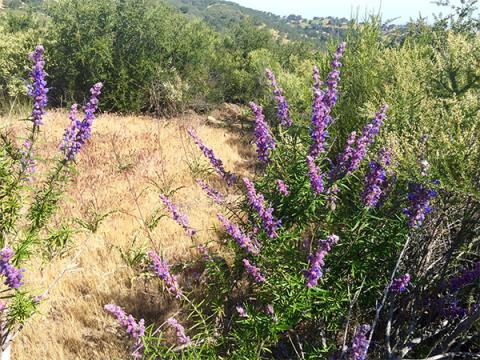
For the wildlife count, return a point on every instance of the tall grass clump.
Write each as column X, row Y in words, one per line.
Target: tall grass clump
column 331, row 251
column 30, row 196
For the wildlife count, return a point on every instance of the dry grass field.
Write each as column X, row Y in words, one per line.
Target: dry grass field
column 121, row 172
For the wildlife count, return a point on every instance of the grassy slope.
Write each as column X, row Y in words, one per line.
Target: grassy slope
column 123, row 160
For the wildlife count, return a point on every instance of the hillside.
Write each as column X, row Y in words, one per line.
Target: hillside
column 223, row 14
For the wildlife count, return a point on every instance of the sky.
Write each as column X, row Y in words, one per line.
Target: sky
column 390, row 9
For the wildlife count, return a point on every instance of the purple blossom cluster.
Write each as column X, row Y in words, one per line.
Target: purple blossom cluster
column 13, row 276
column 258, row 202
column 316, row 179
column 80, row 130
column 254, row 271
column 317, row 261
column 240, row 238
column 211, row 192
column 134, row 329
column 466, row 277
column 400, row 284
column 375, row 179
column 334, row 76
column 282, row 187
column 419, row 204
column 216, row 163
column 360, row 343
column 180, row 218
column 323, row 103
column 357, row 147
column 180, row 331
column 263, row 137
column 28, row 164
column 38, row 90
column 162, row 269
column 282, row 105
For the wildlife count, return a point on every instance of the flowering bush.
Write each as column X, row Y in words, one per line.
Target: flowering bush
column 27, row 202
column 319, row 247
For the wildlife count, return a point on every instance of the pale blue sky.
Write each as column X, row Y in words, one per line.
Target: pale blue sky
column 404, row 9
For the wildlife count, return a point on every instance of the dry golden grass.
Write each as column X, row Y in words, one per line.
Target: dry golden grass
column 127, row 163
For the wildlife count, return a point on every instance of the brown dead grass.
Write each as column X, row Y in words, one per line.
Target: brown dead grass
column 128, row 161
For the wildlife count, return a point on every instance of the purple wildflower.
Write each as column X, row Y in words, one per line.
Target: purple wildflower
column 368, row 137
column 357, row 147
column 316, row 179
column 217, row 164
column 38, row 90
column 241, row 311
column 180, row 218
column 323, row 102
column 242, row 240
column 419, row 198
column 400, row 284
column 375, row 179
column 360, row 343
column 27, row 163
column 334, row 77
column 320, row 117
column 258, row 202
column 466, row 277
column 254, row 271
column 80, row 131
column 180, row 331
column 134, row 329
column 162, row 269
column 318, row 260
column 211, row 192
column 13, row 276
column 264, row 139
column 282, row 105
column 282, row 188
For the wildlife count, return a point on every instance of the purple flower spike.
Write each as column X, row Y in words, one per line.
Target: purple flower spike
column 282, row 188
column 134, row 329
column 211, row 192
column 368, row 137
column 316, row 179
column 318, row 260
column 254, row 271
column 334, row 77
column 357, row 147
column 217, row 164
column 13, row 276
column 258, row 202
column 240, row 238
column 162, row 269
column 27, row 163
column 38, row 90
column 282, row 105
column 375, row 180
column 180, row 218
column 419, row 204
column 180, row 331
column 323, row 103
column 400, row 284
column 80, row 131
column 264, row 140
column 360, row 343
